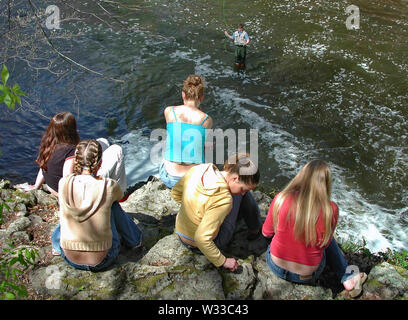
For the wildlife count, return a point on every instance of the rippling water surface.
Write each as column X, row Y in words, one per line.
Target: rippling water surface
column 312, row 89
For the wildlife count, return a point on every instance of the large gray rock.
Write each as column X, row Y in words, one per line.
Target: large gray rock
column 18, row 225
column 272, row 287
column 166, row 269
column 386, row 282
column 153, row 199
column 61, row 281
column 44, row 198
column 171, row 271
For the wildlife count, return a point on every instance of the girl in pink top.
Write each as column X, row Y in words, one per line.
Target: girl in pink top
column 302, row 220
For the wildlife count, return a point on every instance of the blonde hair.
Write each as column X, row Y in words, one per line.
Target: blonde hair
column 242, row 165
column 193, row 87
column 311, row 189
column 88, row 155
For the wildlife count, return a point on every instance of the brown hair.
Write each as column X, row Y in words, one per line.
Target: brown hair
column 88, row 154
column 244, row 167
column 61, row 129
column 193, row 87
column 312, row 189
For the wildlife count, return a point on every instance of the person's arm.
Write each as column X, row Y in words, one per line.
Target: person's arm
column 216, row 210
column 209, row 140
column 177, row 191
column 227, row 34
column 117, row 192
column 68, row 167
column 268, row 228
column 39, row 181
column 247, row 39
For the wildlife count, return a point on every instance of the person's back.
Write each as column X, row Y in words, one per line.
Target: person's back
column 284, row 244
column 186, row 133
column 302, row 220
column 91, row 218
column 85, row 209
column 210, row 206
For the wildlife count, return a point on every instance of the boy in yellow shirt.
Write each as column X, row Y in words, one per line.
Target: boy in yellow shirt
column 210, row 202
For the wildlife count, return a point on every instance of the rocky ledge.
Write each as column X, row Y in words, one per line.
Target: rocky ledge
column 164, row 268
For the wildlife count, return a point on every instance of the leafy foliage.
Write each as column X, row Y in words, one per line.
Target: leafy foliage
column 14, row 262
column 398, row 258
column 10, row 95
column 3, row 205
column 353, row 247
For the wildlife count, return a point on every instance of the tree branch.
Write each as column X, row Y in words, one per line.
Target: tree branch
column 63, row 55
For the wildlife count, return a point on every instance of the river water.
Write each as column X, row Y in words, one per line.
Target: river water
column 311, row 87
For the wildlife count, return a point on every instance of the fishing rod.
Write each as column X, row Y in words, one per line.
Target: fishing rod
column 225, row 22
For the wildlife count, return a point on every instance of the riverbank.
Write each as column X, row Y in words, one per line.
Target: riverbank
column 165, row 269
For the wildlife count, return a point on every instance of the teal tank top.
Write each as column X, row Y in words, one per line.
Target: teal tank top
column 185, row 141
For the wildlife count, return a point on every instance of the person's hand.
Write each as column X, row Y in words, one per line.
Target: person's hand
column 230, row 264
column 226, row 33
column 26, row 187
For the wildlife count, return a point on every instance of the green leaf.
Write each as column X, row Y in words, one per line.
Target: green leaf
column 16, row 90
column 9, row 296
column 22, row 292
column 3, row 88
column 4, row 75
column 8, row 100
column 18, row 99
column 2, row 98
column 13, row 261
column 5, row 205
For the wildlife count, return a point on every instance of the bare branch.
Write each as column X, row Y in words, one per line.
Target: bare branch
column 63, row 55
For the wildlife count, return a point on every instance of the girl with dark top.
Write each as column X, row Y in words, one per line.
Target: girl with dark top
column 56, row 154
column 302, row 220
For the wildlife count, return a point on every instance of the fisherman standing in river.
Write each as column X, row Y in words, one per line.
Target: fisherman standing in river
column 241, row 40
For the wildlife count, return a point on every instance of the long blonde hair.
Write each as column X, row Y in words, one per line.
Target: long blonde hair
column 311, row 190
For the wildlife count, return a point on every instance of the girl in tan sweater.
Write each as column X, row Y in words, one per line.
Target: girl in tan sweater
column 91, row 219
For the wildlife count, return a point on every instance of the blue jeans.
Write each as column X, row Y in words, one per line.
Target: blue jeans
column 122, row 226
column 332, row 254
column 169, row 180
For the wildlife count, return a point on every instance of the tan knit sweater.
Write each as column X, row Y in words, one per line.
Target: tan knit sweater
column 85, row 210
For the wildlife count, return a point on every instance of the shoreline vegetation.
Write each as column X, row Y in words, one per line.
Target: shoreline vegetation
column 28, row 219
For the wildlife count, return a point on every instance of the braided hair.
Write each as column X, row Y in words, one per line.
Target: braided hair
column 88, row 155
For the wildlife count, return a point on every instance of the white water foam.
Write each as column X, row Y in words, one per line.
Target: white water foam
column 359, row 219
column 136, row 149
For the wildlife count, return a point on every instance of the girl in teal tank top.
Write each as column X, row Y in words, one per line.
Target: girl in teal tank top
column 186, row 133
